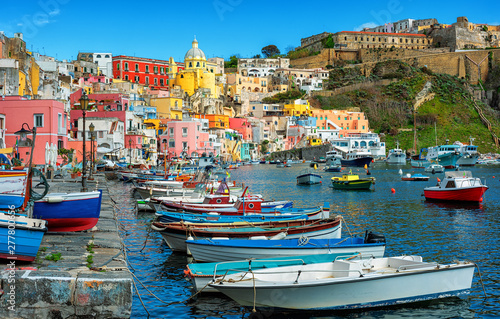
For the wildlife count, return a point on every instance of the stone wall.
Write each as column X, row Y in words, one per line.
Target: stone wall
column 383, row 54
column 305, row 153
column 326, row 57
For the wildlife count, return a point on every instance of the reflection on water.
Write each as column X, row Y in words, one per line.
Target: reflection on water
column 441, row 232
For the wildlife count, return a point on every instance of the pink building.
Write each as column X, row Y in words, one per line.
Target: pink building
column 184, row 137
column 94, row 79
column 48, row 116
column 242, row 126
column 106, row 105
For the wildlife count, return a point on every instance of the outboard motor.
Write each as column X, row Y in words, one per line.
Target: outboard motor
column 374, row 238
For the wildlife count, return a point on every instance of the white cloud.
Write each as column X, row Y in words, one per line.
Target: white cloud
column 366, row 25
column 54, row 12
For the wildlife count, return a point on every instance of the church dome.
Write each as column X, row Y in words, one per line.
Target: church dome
column 195, row 53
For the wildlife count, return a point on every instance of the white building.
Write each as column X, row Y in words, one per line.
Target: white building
column 105, row 63
column 261, row 67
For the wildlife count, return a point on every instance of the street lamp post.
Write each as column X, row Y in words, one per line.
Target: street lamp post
column 84, row 103
column 91, row 129
column 165, row 156
column 130, row 151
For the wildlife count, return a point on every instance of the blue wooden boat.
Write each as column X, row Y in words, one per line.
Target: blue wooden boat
column 214, row 218
column 25, row 242
column 201, row 274
column 69, row 212
column 15, row 192
column 238, row 249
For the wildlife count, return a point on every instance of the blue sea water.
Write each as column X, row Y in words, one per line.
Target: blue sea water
column 437, row 231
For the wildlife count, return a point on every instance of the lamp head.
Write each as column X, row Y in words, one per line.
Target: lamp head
column 91, row 127
column 23, row 133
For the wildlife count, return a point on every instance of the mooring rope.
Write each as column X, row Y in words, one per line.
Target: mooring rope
column 481, row 280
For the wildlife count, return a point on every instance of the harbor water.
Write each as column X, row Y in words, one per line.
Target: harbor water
column 439, row 232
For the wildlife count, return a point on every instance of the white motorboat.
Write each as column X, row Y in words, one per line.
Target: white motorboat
column 469, row 152
column 434, row 168
column 348, row 284
column 396, row 156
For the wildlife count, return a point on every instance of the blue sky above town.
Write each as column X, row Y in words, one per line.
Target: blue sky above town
column 160, row 29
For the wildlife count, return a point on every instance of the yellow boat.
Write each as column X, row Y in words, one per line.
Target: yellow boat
column 352, row 181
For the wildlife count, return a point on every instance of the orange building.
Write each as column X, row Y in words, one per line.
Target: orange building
column 215, row 120
column 349, row 122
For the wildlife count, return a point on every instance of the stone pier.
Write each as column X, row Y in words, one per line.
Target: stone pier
column 76, row 274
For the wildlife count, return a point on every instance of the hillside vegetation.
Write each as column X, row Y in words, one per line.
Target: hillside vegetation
column 450, row 115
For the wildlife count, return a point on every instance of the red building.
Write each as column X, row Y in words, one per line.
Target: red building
column 147, row 72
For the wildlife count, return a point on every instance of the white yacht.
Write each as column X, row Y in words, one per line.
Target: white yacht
column 469, row 152
column 361, row 143
column 333, row 158
column 396, row 156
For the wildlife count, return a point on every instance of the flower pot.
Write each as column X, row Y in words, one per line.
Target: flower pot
column 74, row 175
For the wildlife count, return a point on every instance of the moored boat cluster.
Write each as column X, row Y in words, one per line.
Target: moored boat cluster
column 249, row 249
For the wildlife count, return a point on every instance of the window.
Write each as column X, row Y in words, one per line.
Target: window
column 147, row 68
column 171, row 131
column 59, row 121
column 147, row 80
column 101, row 134
column 161, row 70
column 136, row 67
column 184, row 145
column 171, row 143
column 190, row 64
column 126, row 66
column 197, row 64
column 156, row 81
column 184, row 131
column 118, row 66
column 126, row 77
column 161, row 82
column 155, row 69
column 38, row 120
column 60, row 144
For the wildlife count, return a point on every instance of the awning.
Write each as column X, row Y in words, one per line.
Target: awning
column 7, row 150
column 104, row 150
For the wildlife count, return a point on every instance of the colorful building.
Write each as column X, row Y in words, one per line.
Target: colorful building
column 167, row 107
column 344, row 121
column 48, row 116
column 148, row 72
column 242, row 126
column 298, row 108
column 215, row 120
column 185, row 138
column 198, row 73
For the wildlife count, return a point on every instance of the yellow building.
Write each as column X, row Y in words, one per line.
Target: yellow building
column 198, row 73
column 168, row 107
column 29, row 83
column 298, row 108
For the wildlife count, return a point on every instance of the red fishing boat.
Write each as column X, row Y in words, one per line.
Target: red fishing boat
column 457, row 186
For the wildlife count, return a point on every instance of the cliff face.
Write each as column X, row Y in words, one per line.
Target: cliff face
column 447, row 106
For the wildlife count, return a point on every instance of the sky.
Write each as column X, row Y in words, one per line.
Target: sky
column 163, row 29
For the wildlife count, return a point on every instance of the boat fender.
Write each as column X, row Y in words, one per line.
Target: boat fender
column 54, row 199
column 279, row 236
column 258, row 237
column 188, row 252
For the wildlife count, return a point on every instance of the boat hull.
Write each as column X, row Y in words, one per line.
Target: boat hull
column 395, row 158
column 354, row 292
column 215, row 252
column 308, row 179
column 27, row 239
column 69, row 212
column 355, row 185
column 468, row 160
column 357, row 162
column 176, row 241
column 466, row 194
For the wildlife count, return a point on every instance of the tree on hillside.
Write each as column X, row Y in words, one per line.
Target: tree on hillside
column 232, row 63
column 270, row 50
